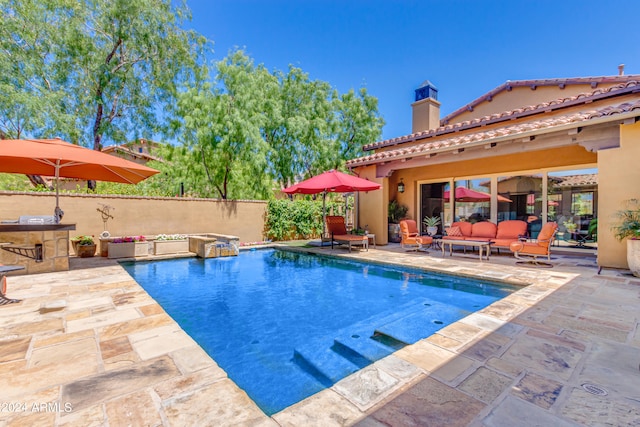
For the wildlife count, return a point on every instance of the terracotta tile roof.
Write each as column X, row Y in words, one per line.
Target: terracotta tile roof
column 583, row 98
column 508, row 85
column 578, row 180
column 458, row 142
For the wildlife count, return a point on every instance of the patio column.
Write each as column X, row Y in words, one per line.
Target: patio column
column 545, row 197
column 493, row 210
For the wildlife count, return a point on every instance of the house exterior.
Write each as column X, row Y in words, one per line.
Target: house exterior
column 561, row 150
column 140, row 151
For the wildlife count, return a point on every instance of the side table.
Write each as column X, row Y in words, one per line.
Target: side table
column 372, row 237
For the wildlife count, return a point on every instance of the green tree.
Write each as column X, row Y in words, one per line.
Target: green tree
column 357, row 122
column 253, row 130
column 298, row 125
column 32, row 96
column 312, row 129
column 222, row 128
column 94, row 69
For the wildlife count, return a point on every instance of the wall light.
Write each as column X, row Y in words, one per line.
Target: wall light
column 401, row 186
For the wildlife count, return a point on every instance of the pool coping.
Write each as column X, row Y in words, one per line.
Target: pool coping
column 453, row 358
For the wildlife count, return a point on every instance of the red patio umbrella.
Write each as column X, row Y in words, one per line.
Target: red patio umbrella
column 57, row 158
column 331, row 182
column 464, row 194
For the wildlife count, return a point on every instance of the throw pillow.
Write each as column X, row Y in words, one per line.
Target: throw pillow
column 454, row 231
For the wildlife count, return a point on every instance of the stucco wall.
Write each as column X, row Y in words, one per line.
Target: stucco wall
column 619, row 180
column 146, row 216
column 372, row 206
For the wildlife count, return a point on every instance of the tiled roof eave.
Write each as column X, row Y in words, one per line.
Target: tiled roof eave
column 485, row 138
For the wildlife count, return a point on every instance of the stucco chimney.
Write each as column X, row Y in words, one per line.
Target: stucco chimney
column 426, row 108
column 621, row 69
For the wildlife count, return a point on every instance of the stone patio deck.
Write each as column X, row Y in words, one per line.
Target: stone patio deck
column 91, row 347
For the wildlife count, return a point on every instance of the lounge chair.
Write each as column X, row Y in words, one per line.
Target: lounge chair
column 411, row 236
column 538, row 247
column 338, row 232
column 4, row 269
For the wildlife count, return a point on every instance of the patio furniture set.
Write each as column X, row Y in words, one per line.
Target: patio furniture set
column 485, row 235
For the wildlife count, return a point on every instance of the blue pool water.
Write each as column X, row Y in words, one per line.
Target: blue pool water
column 285, row 325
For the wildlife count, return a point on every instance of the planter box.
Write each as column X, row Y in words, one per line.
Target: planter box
column 128, row 250
column 85, row 251
column 164, row 247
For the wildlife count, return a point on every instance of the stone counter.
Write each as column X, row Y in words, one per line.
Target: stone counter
column 26, row 239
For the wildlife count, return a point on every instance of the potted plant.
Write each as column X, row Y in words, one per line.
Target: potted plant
column 128, row 247
column 396, row 213
column 170, row 244
column 84, row 246
column 432, row 223
column 570, row 225
column 628, row 227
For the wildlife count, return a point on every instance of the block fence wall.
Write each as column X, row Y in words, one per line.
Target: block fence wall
column 134, row 215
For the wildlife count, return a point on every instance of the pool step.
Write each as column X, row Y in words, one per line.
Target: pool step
column 329, row 359
column 421, row 323
column 318, row 359
column 360, row 349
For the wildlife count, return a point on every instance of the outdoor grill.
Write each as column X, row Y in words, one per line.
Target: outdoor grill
column 37, row 219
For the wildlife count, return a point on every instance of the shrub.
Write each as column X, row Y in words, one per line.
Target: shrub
column 83, row 240
column 297, row 219
column 628, row 224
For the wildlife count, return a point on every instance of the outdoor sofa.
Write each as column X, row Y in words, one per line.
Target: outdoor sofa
column 502, row 235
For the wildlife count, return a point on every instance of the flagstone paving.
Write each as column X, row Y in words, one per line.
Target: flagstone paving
column 90, row 347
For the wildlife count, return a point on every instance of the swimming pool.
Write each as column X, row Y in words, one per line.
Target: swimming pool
column 285, row 325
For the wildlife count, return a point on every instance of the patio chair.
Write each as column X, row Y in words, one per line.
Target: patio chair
column 4, row 269
column 538, row 247
column 411, row 236
column 337, row 229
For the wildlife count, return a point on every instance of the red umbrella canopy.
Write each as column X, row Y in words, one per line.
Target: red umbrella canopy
column 54, row 157
column 464, row 194
column 332, row 181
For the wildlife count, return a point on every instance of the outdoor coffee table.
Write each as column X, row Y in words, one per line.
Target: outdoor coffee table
column 482, row 245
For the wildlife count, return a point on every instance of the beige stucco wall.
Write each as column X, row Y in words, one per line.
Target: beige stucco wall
column 619, row 180
column 146, row 216
column 372, row 206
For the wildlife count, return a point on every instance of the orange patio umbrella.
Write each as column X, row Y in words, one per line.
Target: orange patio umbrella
column 57, row 158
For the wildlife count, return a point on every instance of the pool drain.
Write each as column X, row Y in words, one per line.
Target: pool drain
column 594, row 389
column 355, row 336
column 437, row 322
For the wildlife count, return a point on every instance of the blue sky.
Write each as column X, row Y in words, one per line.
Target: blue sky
column 465, row 48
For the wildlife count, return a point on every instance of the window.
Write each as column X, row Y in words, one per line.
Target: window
column 582, row 203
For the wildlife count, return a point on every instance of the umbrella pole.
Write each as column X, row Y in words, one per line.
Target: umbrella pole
column 57, row 186
column 58, row 213
column 324, row 214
